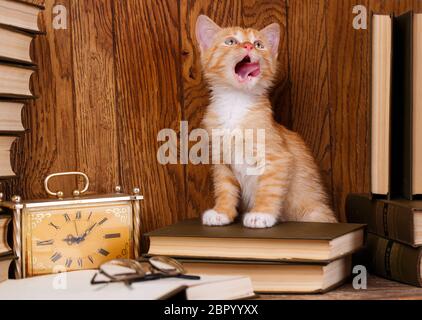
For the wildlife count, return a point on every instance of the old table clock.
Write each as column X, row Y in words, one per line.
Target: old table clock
column 81, row 232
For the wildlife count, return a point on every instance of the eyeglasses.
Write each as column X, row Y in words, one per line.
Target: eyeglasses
column 129, row 271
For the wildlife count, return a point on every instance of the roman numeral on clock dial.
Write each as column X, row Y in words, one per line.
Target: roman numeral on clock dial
column 68, row 263
column 104, row 252
column 45, row 243
column 54, row 226
column 112, row 236
column 56, row 257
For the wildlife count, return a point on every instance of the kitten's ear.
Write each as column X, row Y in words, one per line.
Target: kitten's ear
column 272, row 33
column 206, row 29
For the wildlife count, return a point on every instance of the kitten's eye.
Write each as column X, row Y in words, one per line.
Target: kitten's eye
column 259, row 45
column 231, row 41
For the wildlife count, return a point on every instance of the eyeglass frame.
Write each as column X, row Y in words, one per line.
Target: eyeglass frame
column 140, row 274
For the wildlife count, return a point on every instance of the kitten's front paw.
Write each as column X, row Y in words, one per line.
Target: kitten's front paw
column 213, row 218
column 259, row 220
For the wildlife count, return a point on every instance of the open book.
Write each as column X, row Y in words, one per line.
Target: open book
column 76, row 286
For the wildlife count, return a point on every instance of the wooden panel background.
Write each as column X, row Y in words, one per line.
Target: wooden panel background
column 124, row 70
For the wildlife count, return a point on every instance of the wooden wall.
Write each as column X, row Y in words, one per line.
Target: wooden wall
column 124, row 70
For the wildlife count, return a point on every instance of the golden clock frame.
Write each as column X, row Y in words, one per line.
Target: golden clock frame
column 18, row 207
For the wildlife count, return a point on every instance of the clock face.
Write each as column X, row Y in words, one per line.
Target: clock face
column 76, row 238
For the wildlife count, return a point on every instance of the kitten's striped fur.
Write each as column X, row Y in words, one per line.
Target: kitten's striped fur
column 290, row 188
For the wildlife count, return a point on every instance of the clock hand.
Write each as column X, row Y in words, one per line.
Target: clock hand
column 70, row 239
column 87, row 232
column 76, row 228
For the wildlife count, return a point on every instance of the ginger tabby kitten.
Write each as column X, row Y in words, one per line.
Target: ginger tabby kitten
column 239, row 66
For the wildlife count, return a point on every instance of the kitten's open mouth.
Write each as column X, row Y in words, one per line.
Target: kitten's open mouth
column 246, row 69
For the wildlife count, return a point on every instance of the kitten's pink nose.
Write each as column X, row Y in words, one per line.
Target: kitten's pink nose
column 248, row 46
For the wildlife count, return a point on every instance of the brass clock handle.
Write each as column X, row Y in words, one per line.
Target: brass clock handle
column 59, row 194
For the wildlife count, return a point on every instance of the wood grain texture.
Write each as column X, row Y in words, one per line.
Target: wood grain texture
column 36, row 2
column 308, row 54
column 124, row 70
column 195, row 92
column 348, row 56
column 49, row 146
column 94, row 96
column 258, row 14
column 378, row 289
column 147, row 57
column 391, row 6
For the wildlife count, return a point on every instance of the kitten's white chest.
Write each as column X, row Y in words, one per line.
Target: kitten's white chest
column 231, row 108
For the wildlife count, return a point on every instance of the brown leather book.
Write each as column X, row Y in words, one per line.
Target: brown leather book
column 393, row 260
column 290, row 241
column 399, row 220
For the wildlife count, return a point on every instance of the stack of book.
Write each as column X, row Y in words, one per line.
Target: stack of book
column 290, row 257
column 6, row 254
column 392, row 211
column 19, row 25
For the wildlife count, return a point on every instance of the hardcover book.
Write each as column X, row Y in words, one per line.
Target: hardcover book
column 5, row 265
column 278, row 277
column 399, row 220
column 393, row 260
column 15, row 45
column 6, row 170
column 289, row 241
column 11, row 117
column 20, row 15
column 407, row 107
column 5, row 234
column 15, row 81
column 79, row 287
column 381, row 97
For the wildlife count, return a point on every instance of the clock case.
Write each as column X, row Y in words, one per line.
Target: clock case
column 18, row 206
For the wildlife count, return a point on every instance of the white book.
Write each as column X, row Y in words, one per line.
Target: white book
column 76, row 286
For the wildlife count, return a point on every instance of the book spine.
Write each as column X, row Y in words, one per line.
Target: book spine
column 401, row 129
column 393, row 260
column 383, row 218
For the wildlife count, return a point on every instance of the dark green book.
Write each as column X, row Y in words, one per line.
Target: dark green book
column 393, row 260
column 399, row 220
column 289, row 241
column 406, row 130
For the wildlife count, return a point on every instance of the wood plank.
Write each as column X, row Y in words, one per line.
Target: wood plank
column 349, row 63
column 258, row 14
column 390, row 6
column 147, row 67
column 417, row 6
column 310, row 112
column 195, row 92
column 49, row 146
column 93, row 70
column 36, row 2
column 378, row 289
column 348, row 56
